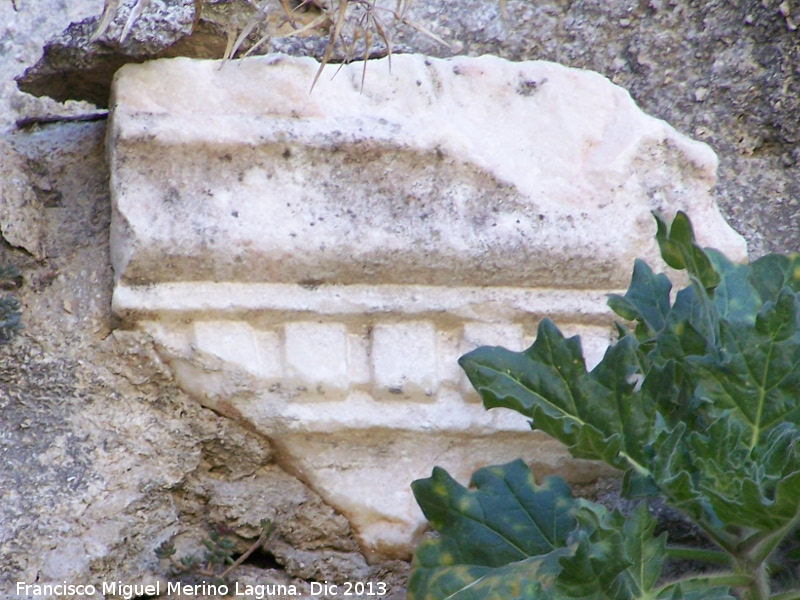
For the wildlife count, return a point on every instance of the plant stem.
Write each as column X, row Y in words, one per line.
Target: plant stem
column 759, row 586
column 792, row 595
column 723, row 539
column 706, row 581
column 261, row 539
column 765, row 545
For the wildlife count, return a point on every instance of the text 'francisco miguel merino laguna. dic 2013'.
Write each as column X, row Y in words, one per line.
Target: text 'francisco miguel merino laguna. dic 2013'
column 129, row 591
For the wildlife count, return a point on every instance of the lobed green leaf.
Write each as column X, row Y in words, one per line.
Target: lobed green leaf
column 508, row 538
column 507, row 519
column 603, row 415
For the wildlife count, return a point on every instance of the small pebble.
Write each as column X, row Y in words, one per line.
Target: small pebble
column 700, row 94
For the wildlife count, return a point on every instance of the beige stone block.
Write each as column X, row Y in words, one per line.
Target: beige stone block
column 462, row 178
column 229, row 341
column 316, row 359
column 404, row 361
column 268, row 350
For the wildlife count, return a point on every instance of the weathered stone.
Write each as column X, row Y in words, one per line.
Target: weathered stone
column 20, row 210
column 23, row 33
column 742, row 54
column 76, row 66
column 313, row 265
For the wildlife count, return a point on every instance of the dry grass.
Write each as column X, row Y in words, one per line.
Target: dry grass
column 346, row 22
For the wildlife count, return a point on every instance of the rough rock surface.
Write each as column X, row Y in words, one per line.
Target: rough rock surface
column 75, row 66
column 20, row 210
column 314, row 265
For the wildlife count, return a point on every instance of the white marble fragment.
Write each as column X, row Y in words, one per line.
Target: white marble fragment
column 404, row 360
column 314, row 263
column 316, row 357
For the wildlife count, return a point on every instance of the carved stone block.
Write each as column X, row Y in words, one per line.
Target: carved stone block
column 314, row 263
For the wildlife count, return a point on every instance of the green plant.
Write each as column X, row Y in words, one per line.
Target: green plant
column 698, row 402
column 217, row 562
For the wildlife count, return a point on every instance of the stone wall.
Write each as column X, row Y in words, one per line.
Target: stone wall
column 107, row 456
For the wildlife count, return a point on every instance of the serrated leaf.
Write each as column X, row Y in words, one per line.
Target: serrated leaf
column 691, row 326
column 595, row 568
column 508, row 537
column 680, row 251
column 687, row 330
column 700, row 402
column 735, row 298
column 646, row 553
column 717, row 480
column 756, row 488
column 672, row 469
column 603, row 415
column 526, row 579
column 506, row 519
column 757, row 374
column 647, row 300
column 771, row 273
